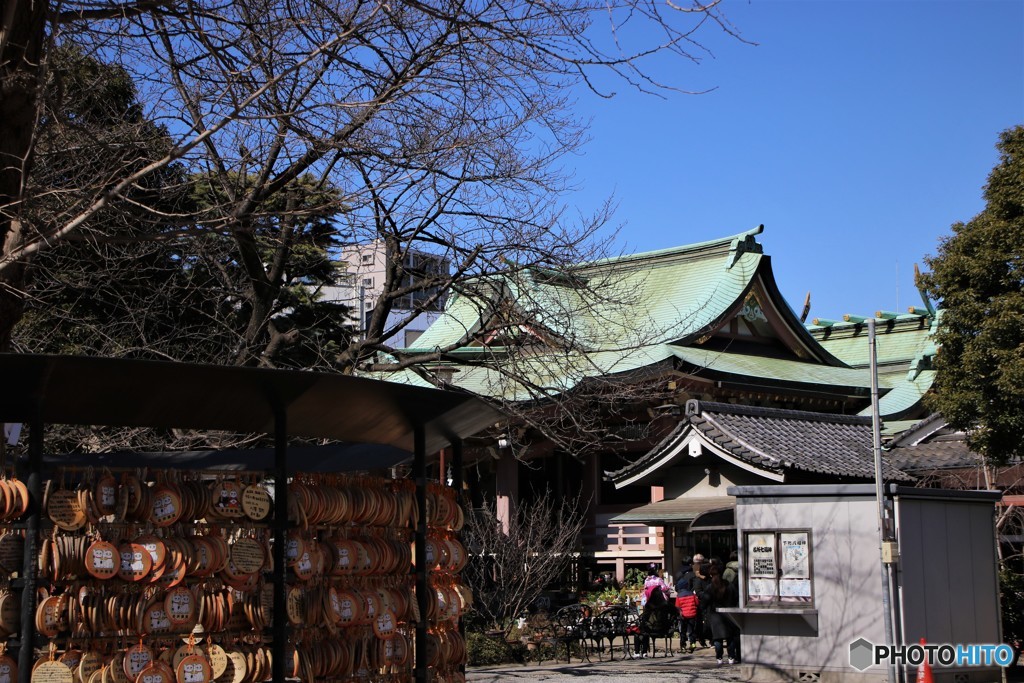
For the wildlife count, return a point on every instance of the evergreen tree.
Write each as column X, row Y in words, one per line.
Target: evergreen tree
column 170, row 283
column 978, row 277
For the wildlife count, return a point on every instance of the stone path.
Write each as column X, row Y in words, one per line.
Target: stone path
column 700, row 666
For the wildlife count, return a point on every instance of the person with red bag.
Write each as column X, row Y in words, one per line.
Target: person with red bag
column 688, row 605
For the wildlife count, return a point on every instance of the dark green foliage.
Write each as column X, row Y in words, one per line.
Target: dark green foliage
column 1011, row 600
column 483, row 649
column 166, row 274
column 117, row 287
column 275, row 265
column 978, row 278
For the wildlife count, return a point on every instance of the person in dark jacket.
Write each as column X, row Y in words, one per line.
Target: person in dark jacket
column 698, row 584
column 732, row 568
column 656, row 619
column 685, row 567
column 688, row 605
column 724, row 633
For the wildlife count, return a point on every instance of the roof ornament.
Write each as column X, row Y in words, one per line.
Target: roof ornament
column 924, row 297
column 745, row 243
column 807, row 309
column 923, row 361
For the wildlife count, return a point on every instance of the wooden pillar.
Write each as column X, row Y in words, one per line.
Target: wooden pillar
column 457, row 485
column 457, row 475
column 506, row 484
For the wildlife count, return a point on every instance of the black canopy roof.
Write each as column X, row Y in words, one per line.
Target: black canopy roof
column 145, row 393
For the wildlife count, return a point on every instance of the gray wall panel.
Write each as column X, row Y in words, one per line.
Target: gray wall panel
column 911, row 571
column 985, row 578
column 947, row 571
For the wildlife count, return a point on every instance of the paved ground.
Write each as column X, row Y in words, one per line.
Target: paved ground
column 700, row 666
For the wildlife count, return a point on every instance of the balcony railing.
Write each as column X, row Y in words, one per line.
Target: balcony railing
column 605, row 539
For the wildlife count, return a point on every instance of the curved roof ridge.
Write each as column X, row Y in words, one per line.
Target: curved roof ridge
column 697, row 407
column 720, row 244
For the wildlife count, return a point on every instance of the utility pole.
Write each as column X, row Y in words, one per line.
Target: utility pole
column 876, row 442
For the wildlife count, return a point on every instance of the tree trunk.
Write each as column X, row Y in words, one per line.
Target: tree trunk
column 21, row 42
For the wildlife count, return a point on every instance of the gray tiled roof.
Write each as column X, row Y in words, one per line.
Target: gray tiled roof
column 778, row 440
column 938, row 454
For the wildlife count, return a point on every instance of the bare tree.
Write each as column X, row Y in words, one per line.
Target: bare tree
column 436, row 126
column 511, row 564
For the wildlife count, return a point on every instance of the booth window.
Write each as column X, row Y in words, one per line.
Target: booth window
column 778, row 568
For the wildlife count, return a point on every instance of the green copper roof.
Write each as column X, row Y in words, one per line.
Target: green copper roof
column 898, row 341
column 651, row 298
column 540, row 374
column 776, row 369
column 656, row 307
column 894, row 427
column 905, row 348
column 904, row 396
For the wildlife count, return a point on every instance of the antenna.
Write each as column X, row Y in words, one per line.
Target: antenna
column 897, row 284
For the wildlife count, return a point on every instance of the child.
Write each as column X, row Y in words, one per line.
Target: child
column 687, row 603
column 654, row 582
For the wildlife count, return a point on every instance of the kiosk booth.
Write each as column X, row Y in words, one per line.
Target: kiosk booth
column 811, row 579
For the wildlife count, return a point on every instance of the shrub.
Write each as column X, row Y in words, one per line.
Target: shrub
column 634, row 578
column 483, row 649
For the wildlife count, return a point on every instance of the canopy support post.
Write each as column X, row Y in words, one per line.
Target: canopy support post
column 419, row 469
column 34, row 484
column 280, row 623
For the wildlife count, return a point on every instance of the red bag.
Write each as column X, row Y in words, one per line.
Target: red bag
column 687, row 605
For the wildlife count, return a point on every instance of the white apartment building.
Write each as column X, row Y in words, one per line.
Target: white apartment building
column 364, row 268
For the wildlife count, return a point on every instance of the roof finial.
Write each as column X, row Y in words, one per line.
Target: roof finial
column 744, row 243
column 807, row 308
column 924, row 297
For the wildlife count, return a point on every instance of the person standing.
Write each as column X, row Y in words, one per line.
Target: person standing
column 732, row 569
column 685, row 571
column 720, row 593
column 698, row 584
column 688, row 605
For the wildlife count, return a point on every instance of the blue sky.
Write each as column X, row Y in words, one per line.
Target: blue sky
column 856, row 131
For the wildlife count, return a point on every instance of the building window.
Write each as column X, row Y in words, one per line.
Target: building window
column 367, row 258
column 778, row 568
column 368, row 282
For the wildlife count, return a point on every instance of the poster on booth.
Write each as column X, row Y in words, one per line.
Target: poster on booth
column 795, row 580
column 761, row 576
